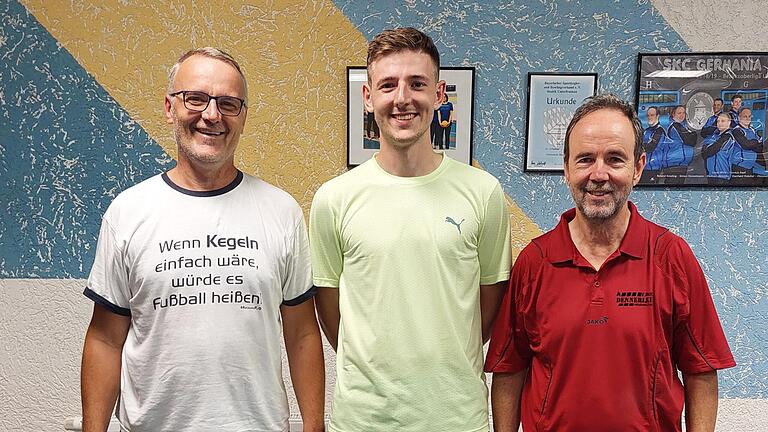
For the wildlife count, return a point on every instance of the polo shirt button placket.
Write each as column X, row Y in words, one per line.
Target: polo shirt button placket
column 597, row 297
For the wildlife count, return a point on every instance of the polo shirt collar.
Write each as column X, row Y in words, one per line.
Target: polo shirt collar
column 633, row 244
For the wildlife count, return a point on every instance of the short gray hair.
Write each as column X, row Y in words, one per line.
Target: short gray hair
column 209, row 52
column 612, row 102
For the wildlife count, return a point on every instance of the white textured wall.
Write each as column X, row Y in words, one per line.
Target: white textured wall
column 42, row 324
column 715, row 25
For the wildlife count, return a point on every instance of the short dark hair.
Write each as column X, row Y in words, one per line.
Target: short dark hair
column 736, row 96
column 612, row 102
column 719, row 99
column 652, row 108
column 402, row 39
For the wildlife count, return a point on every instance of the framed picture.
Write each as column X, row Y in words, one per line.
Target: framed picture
column 451, row 130
column 552, row 99
column 704, row 116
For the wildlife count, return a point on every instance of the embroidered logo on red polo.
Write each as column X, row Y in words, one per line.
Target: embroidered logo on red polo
column 634, row 298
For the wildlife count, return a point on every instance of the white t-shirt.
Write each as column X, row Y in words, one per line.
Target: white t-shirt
column 202, row 276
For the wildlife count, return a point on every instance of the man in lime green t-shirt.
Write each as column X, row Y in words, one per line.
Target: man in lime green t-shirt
column 409, row 252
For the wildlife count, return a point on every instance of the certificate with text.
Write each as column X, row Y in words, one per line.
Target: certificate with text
column 552, row 99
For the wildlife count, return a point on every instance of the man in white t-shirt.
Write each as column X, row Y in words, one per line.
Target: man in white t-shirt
column 198, row 273
column 408, row 252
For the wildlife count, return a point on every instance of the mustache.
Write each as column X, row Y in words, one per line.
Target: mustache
column 605, row 187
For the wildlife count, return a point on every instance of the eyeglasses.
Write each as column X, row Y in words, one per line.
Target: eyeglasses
column 198, row 101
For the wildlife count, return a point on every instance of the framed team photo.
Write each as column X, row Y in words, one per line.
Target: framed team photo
column 704, row 117
column 553, row 97
column 451, row 130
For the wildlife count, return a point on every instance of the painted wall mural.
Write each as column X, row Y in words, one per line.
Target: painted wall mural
column 81, row 90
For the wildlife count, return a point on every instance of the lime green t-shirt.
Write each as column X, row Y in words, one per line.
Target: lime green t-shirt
column 408, row 255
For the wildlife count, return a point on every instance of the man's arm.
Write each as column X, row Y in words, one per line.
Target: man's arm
column 327, row 300
column 505, row 400
column 708, row 151
column 746, row 143
column 654, row 141
column 490, row 300
column 100, row 370
column 700, row 401
column 305, row 360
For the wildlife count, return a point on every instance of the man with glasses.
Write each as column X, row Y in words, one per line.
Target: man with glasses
column 195, row 271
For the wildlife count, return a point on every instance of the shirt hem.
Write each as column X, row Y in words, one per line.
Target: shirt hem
column 302, row 298
column 325, row 283
column 101, row 301
column 490, row 280
column 485, row 428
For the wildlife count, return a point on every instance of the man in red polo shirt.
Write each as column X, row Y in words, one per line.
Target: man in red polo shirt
column 603, row 311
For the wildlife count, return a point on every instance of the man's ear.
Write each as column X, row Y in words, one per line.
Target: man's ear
column 639, row 166
column 367, row 102
column 168, row 109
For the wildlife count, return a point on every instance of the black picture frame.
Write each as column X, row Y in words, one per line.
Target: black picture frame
column 552, row 98
column 362, row 138
column 696, row 151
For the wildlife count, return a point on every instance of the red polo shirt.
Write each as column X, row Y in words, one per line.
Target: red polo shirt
column 604, row 346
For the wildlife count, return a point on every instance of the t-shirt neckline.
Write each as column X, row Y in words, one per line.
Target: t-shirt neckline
column 211, row 193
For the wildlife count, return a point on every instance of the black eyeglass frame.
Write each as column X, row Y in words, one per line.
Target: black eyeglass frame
column 183, row 94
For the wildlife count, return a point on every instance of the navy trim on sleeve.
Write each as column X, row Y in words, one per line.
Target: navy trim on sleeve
column 101, row 301
column 238, row 179
column 302, row 298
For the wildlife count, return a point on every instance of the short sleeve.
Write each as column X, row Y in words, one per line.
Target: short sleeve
column 509, row 350
column 494, row 246
column 297, row 284
column 325, row 242
column 699, row 343
column 108, row 281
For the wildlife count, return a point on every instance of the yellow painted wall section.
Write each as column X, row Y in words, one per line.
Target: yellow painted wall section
column 294, row 55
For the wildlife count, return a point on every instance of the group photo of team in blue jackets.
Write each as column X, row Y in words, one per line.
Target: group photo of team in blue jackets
column 727, row 147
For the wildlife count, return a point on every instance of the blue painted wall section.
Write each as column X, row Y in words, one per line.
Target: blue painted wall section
column 727, row 229
column 66, row 149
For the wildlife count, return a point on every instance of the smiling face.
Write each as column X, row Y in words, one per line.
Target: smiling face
column 745, row 117
column 736, row 103
column 653, row 116
column 206, row 138
column 717, row 106
column 678, row 114
column 600, row 169
column 403, row 93
column 723, row 122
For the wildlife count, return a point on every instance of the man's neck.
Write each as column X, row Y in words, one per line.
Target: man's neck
column 202, row 178
column 413, row 161
column 597, row 240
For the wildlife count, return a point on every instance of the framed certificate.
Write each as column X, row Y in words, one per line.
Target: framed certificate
column 552, row 99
